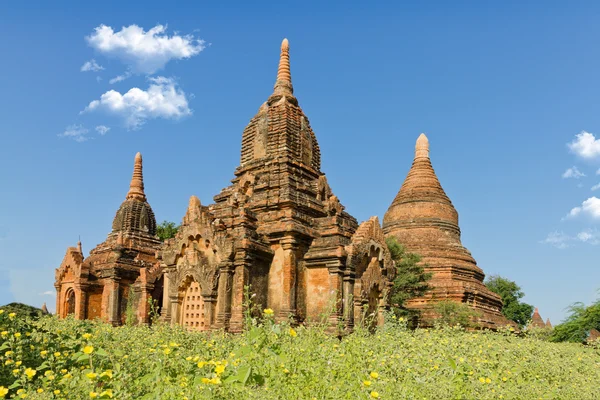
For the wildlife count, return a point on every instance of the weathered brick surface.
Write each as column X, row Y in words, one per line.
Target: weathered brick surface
column 101, row 282
column 423, row 218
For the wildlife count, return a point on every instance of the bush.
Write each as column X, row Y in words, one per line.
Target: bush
column 68, row 359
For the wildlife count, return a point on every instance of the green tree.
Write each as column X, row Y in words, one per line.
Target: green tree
column 166, row 230
column 452, row 313
column 411, row 278
column 511, row 293
column 576, row 327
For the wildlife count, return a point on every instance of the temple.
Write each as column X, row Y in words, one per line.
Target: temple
column 99, row 286
column 277, row 231
column 423, row 219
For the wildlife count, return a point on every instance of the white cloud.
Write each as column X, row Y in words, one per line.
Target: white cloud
column 91, row 65
column 101, row 129
column 589, row 236
column 48, row 293
column 596, row 187
column 590, row 207
column 120, row 78
column 572, row 172
column 146, row 52
column 585, row 145
column 598, row 172
column 557, row 239
column 162, row 100
column 76, row 132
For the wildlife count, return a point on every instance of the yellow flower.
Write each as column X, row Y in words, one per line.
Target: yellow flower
column 374, row 375
column 30, row 373
column 201, row 364
column 18, row 363
column 86, row 336
column 18, row 335
column 8, row 362
column 504, row 379
column 293, row 332
column 219, row 369
column 205, row 381
column 91, row 375
column 107, row 392
column 1, row 312
column 367, row 383
column 268, row 311
column 482, row 379
column 215, row 381
column 57, row 391
column 461, row 359
column 16, row 371
column 40, row 390
column 108, row 373
column 488, row 380
column 88, row 349
column 57, row 354
column 93, row 395
column 47, row 373
column 4, row 333
column 8, row 353
column 401, row 319
column 167, row 351
column 20, row 391
column 12, row 315
column 3, row 391
column 375, row 395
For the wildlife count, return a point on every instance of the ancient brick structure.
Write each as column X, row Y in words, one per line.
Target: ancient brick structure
column 548, row 324
column 423, row 218
column 536, row 320
column 99, row 286
column 279, row 229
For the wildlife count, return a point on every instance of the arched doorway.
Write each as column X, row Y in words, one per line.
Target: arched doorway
column 192, row 306
column 69, row 302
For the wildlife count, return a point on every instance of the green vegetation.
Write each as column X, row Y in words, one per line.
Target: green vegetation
column 578, row 324
column 451, row 313
column 511, row 294
column 67, row 359
column 411, row 279
column 166, row 230
column 23, row 309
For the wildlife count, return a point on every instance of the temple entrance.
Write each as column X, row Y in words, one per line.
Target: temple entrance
column 192, row 307
column 69, row 302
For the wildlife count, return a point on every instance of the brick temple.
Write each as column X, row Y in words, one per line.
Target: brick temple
column 279, row 230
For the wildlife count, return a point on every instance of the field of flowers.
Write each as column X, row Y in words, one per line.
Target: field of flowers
column 68, row 359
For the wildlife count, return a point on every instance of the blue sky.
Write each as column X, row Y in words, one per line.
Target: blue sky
column 507, row 94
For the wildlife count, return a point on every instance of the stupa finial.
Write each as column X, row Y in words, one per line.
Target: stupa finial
column 422, row 146
column 284, row 76
column 136, row 187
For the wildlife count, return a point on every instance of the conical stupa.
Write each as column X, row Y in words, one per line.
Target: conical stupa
column 424, row 220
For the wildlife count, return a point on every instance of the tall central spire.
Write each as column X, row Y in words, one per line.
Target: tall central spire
column 136, row 187
column 284, row 76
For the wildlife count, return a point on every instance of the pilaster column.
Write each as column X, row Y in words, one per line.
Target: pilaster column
column 224, row 296
column 348, row 301
column 80, row 301
column 59, row 300
column 335, row 285
column 114, row 301
column 174, row 302
column 288, row 294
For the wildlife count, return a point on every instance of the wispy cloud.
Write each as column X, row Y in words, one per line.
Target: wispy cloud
column 572, row 172
column 102, row 130
column 585, row 145
column 76, row 132
column 560, row 240
column 120, row 78
column 91, row 65
column 596, row 187
column 145, row 52
column 589, row 208
column 557, row 239
column 162, row 99
column 48, row 293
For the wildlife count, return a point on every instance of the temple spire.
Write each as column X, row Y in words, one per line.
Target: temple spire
column 136, row 187
column 422, row 146
column 284, row 76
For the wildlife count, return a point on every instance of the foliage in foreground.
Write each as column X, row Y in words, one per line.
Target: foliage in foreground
column 68, row 359
column 513, row 308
